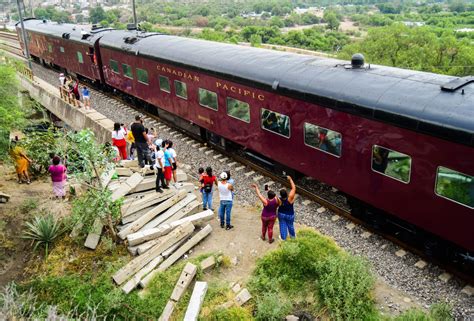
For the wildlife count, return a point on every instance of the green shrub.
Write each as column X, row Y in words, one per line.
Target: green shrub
column 294, row 263
column 344, row 288
column 233, row 313
column 272, row 307
column 43, row 230
column 413, row 315
column 438, row 312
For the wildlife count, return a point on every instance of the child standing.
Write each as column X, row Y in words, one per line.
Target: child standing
column 269, row 212
column 58, row 176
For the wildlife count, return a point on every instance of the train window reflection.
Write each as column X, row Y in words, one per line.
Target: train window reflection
column 207, row 98
column 455, row 186
column 127, row 71
column 79, row 57
column 391, row 163
column 142, row 76
column 181, row 90
column 114, row 66
column 61, row 49
column 275, row 122
column 324, row 139
column 164, row 84
column 50, row 48
column 238, row 109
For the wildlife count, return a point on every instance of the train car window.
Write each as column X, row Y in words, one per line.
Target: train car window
column 142, row 76
column 79, row 57
column 165, row 84
column 50, row 47
column 276, row 122
column 181, row 89
column 127, row 71
column 61, row 49
column 323, row 139
column 391, row 163
column 238, row 109
column 455, row 186
column 114, row 66
column 208, row 99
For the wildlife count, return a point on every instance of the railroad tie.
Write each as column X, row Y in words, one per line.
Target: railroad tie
column 248, row 174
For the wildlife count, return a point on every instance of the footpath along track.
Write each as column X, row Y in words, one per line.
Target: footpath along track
column 9, row 42
column 312, row 209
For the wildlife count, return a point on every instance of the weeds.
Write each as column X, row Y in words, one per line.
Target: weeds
column 344, row 288
column 438, row 312
column 28, row 205
column 272, row 307
column 43, row 230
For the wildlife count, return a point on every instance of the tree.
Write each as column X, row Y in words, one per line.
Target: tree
column 457, row 6
column 97, row 14
column 255, row 40
column 331, row 19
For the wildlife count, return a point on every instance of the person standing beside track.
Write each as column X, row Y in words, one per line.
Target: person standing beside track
column 141, row 142
column 269, row 212
column 286, row 211
column 225, row 197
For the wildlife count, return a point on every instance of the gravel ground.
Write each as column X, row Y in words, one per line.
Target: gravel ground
column 399, row 272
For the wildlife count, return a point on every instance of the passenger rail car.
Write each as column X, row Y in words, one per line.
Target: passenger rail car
column 395, row 141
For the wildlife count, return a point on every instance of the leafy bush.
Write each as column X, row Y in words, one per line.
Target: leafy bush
column 43, row 230
column 344, row 288
column 438, row 312
column 294, row 264
column 272, row 307
column 233, row 313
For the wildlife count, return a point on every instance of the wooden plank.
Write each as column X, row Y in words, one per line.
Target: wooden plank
column 138, row 224
column 195, row 303
column 133, row 282
column 107, row 175
column 123, row 171
column 165, row 242
column 136, row 196
column 181, row 176
column 176, row 255
column 135, row 216
column 171, row 211
column 129, row 163
column 185, row 279
column 147, row 184
column 147, row 235
column 208, row 264
column 196, row 219
column 93, row 237
column 127, row 186
column 167, row 311
column 191, row 208
column 170, row 251
column 189, row 187
column 146, row 201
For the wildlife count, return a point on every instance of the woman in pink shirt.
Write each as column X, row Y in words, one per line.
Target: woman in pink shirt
column 58, row 176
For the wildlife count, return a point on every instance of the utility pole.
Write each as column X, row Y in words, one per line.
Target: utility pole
column 23, row 33
column 134, row 14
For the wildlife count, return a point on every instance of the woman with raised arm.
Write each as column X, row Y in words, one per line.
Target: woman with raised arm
column 286, row 212
column 269, row 211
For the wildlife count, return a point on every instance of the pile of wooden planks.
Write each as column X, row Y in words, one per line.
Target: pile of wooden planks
column 159, row 228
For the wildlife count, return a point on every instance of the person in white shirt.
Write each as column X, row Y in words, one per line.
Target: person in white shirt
column 225, row 196
column 118, row 140
column 174, row 163
column 159, row 162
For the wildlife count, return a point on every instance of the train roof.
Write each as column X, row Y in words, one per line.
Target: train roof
column 82, row 34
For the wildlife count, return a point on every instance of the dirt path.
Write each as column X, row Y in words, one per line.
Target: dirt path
column 26, row 201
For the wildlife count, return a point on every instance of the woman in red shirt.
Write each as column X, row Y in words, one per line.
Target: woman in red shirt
column 118, row 139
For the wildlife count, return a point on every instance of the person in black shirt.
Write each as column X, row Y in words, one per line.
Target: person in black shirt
column 141, row 142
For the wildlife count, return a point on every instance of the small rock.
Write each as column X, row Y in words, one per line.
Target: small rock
column 445, row 277
column 350, row 226
column 234, row 260
column 291, row 318
column 366, row 235
column 421, row 264
column 468, row 290
column 406, row 300
column 321, row 210
column 335, row 218
column 236, row 288
column 400, row 253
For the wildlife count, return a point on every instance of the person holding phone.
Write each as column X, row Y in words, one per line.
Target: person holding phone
column 269, row 212
column 286, row 212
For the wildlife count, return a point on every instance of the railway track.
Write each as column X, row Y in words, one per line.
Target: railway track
column 9, row 43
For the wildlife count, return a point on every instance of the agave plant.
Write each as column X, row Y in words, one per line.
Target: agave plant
column 43, row 230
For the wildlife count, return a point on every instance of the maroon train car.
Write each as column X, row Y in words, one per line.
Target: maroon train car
column 391, row 139
column 66, row 46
